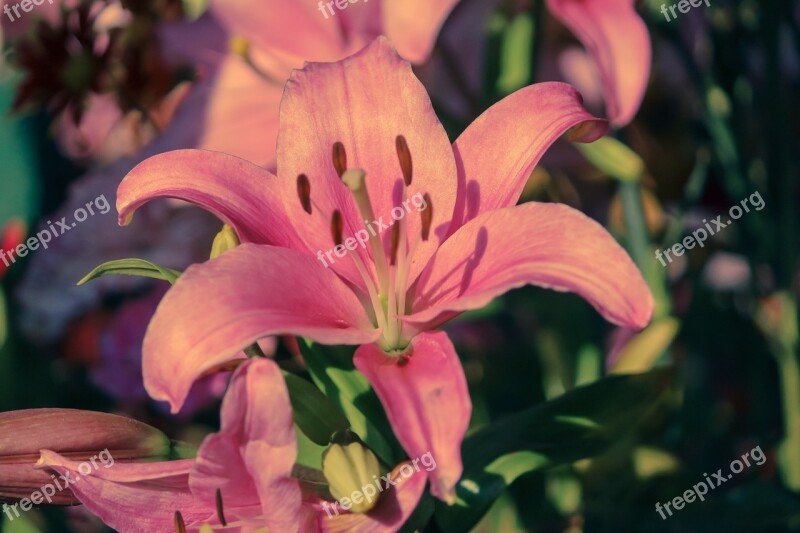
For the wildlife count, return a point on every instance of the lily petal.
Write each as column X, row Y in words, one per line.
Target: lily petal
column 234, row 111
column 252, row 456
column 134, row 497
column 220, row 307
column 413, row 25
column 272, row 24
column 426, row 399
column 393, row 509
column 617, row 39
column 243, row 195
column 549, row 245
column 498, row 151
column 364, row 102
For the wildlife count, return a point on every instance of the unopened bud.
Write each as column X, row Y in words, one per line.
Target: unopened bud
column 351, row 469
column 225, row 240
column 98, row 439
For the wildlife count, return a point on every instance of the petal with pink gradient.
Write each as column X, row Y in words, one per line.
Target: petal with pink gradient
column 275, row 24
column 239, row 112
column 250, row 460
column 498, row 151
column 364, row 102
column 426, row 399
column 134, row 497
column 617, row 39
column 220, row 307
column 393, row 509
column 549, row 245
column 243, row 195
column 413, row 25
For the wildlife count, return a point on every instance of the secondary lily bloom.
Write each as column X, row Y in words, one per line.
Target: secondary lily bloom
column 241, row 479
column 79, row 435
column 357, row 138
column 242, row 87
column 619, row 43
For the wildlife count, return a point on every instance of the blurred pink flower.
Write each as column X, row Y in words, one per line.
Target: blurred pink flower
column 240, row 89
column 468, row 246
column 618, row 41
column 249, row 463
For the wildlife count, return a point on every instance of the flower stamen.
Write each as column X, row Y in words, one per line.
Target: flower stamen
column 180, row 525
column 220, row 509
column 339, row 158
column 304, row 192
column 404, row 156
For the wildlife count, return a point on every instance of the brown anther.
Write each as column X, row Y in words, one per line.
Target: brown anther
column 180, row 525
column 427, row 217
column 404, row 155
column 220, row 510
column 339, row 158
column 403, row 360
column 395, row 242
column 337, row 226
column 304, row 192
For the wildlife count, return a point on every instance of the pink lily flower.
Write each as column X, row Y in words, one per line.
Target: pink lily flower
column 241, row 91
column 618, row 41
column 468, row 245
column 241, row 479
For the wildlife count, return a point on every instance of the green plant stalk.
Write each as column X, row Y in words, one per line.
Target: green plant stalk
column 789, row 369
column 640, row 248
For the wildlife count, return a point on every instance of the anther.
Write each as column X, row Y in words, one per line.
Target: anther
column 404, row 155
column 339, row 158
column 180, row 525
column 220, row 510
column 395, row 242
column 304, row 192
column 427, row 217
column 337, row 226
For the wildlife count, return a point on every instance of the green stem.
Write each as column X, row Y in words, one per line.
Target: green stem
column 789, row 369
column 640, row 248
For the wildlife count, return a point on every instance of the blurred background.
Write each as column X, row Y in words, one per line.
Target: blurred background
column 90, row 88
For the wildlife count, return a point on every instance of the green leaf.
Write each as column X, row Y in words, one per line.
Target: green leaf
column 336, row 376
column 316, row 416
column 613, row 158
column 21, row 524
column 132, row 267
column 579, row 424
column 516, row 60
column 19, row 152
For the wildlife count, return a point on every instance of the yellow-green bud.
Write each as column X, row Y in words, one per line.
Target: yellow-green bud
column 225, row 240
column 351, row 470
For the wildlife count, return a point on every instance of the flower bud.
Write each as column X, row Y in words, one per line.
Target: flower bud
column 350, row 467
column 225, row 240
column 98, row 439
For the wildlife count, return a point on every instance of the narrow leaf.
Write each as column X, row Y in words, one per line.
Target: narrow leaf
column 132, row 267
column 582, row 423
